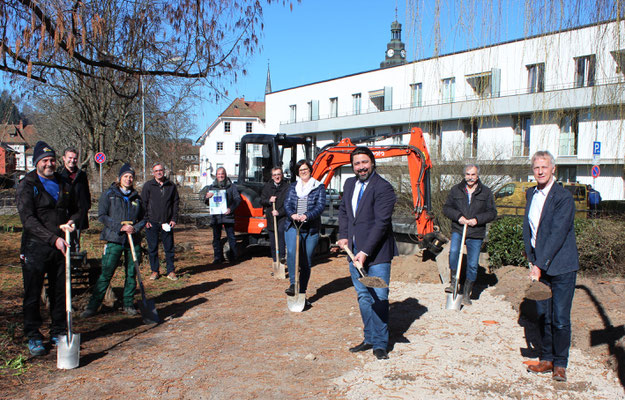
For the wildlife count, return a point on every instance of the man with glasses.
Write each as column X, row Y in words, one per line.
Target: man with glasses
column 161, row 200
column 274, row 192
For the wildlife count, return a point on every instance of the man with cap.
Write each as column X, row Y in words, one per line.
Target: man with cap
column 161, row 199
column 120, row 203
column 77, row 178
column 45, row 202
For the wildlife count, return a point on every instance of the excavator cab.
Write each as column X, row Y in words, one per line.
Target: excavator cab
column 259, row 154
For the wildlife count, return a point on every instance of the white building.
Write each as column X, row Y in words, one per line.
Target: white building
column 220, row 144
column 559, row 92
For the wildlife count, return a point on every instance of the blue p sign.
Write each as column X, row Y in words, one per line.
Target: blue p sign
column 596, row 148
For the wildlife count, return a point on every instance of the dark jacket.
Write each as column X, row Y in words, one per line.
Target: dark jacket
column 482, row 208
column 40, row 214
column 161, row 202
column 233, row 199
column 315, row 206
column 114, row 208
column 556, row 250
column 80, row 188
column 280, row 191
column 371, row 226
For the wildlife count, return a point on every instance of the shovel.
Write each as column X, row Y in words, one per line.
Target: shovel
column 68, row 346
column 146, row 306
column 297, row 302
column 454, row 299
column 368, row 281
column 278, row 268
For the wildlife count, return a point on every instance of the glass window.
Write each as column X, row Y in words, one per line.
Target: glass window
column 237, row 147
column 470, row 139
column 356, row 101
column 416, row 92
column 567, row 142
column 448, row 90
column 220, row 147
column 481, row 83
column 521, row 146
column 248, row 127
column 585, row 71
column 435, row 142
column 334, row 107
column 226, row 126
column 536, row 78
column 293, row 113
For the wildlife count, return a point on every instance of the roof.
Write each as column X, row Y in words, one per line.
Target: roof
column 18, row 135
column 241, row 108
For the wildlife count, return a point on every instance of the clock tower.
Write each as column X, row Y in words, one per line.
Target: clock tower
column 395, row 49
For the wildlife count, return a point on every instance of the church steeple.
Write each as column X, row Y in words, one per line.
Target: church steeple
column 268, row 84
column 395, row 49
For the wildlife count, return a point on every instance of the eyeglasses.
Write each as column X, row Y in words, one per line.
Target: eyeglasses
column 276, row 174
column 159, row 170
column 304, row 169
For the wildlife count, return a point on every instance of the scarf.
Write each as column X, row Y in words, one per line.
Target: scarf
column 303, row 189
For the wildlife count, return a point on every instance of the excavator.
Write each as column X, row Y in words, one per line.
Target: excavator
column 259, row 153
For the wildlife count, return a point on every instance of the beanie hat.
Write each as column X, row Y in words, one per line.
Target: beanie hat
column 126, row 168
column 42, row 150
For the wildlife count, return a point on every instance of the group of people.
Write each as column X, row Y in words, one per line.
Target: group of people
column 47, row 199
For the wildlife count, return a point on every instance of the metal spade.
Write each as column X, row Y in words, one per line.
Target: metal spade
column 368, row 281
column 454, row 299
column 68, row 346
column 297, row 302
column 278, row 267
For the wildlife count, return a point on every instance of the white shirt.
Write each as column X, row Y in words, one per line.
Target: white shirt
column 536, row 209
column 356, row 191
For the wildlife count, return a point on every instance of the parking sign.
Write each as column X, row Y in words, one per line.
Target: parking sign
column 596, row 148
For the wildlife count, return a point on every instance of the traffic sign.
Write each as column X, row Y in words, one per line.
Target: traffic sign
column 100, row 158
column 596, row 148
column 595, row 171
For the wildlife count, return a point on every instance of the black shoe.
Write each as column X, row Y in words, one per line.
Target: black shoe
column 361, row 347
column 380, row 354
column 450, row 288
column 218, row 261
column 283, row 260
column 290, row 291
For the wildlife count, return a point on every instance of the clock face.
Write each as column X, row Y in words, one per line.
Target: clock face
column 403, row 53
column 390, row 52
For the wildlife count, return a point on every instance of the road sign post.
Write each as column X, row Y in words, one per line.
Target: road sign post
column 595, row 171
column 100, row 158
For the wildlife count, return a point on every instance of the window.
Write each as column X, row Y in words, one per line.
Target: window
column 226, row 126
column 381, row 99
column 505, row 191
column 337, row 136
column 567, row 142
column 236, row 169
column 220, row 147
column 248, row 127
column 313, row 110
column 356, row 102
column 237, row 147
column 481, row 83
column 521, row 143
column 435, row 142
column 470, row 139
column 585, row 71
column 448, row 90
column 566, row 173
column 619, row 58
column 334, row 107
column 416, row 92
column 536, row 78
column 219, row 165
column 399, row 138
column 293, row 113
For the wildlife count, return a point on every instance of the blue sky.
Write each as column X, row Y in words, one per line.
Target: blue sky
column 322, row 39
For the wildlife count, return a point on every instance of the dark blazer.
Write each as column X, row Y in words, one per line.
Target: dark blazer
column 280, row 191
column 556, row 250
column 482, row 208
column 372, row 225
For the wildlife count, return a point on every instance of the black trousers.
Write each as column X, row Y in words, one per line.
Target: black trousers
column 272, row 241
column 42, row 259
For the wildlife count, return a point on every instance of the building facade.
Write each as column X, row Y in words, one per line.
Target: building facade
column 563, row 92
column 220, row 144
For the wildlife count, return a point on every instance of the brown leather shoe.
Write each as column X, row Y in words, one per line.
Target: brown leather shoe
column 559, row 374
column 541, row 368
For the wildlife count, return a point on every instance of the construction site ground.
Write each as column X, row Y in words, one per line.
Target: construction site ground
column 227, row 334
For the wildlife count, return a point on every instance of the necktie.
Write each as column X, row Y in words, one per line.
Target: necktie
column 362, row 189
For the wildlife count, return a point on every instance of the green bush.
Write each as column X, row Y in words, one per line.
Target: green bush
column 600, row 243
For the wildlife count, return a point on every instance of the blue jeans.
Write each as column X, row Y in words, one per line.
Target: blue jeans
column 218, row 248
column 307, row 243
column 153, row 235
column 373, row 303
column 554, row 317
column 473, row 255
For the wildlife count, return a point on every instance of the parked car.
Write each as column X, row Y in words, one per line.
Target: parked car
column 333, row 197
column 510, row 199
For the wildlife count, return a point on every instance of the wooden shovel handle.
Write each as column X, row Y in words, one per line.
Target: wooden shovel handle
column 357, row 263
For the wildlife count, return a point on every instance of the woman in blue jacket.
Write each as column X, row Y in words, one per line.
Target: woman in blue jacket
column 304, row 204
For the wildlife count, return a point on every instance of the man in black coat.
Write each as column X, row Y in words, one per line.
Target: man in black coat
column 469, row 203
column 161, row 200
column 274, row 192
column 77, row 178
column 44, row 201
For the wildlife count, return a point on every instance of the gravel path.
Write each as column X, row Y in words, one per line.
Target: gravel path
column 463, row 355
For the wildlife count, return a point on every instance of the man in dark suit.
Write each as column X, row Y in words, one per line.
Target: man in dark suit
column 365, row 226
column 549, row 236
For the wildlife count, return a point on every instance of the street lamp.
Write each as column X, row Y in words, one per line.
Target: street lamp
column 169, row 60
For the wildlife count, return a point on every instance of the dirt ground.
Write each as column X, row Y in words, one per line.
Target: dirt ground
column 227, row 334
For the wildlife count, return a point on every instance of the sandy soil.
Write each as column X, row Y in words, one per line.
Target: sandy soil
column 227, row 334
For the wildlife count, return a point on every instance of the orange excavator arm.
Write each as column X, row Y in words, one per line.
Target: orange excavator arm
column 332, row 157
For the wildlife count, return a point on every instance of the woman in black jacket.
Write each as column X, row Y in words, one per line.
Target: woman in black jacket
column 222, row 182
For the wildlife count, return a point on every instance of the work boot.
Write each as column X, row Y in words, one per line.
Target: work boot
column 290, row 291
column 466, row 296
column 450, row 288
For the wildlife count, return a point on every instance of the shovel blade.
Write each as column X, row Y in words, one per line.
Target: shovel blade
column 538, row 291
column 68, row 351
column 296, row 303
column 147, row 308
column 373, row 282
column 278, row 270
column 453, row 302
